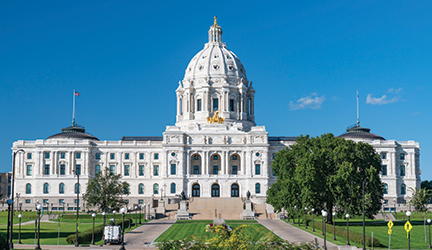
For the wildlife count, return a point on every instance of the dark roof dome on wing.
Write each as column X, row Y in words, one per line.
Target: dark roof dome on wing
column 357, row 132
column 73, row 132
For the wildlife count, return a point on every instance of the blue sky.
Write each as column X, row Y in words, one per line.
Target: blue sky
column 306, row 59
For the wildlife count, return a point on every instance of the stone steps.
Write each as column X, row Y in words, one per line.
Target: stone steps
column 209, row 208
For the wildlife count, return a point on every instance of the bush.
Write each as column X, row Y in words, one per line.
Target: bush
column 2, row 241
column 86, row 236
column 353, row 236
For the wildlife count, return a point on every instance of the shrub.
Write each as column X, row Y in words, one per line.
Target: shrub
column 353, row 236
column 2, row 241
column 86, row 236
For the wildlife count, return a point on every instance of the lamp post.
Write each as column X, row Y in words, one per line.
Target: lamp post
column 20, row 206
column 429, row 222
column 123, row 211
column 114, row 213
column 136, row 215
column 148, row 206
column 12, row 194
column 128, row 211
column 38, row 209
column 77, row 190
column 363, row 210
column 19, row 230
column 104, row 214
column 334, row 225
column 408, row 213
column 94, row 216
column 313, row 221
column 324, row 215
column 347, row 218
column 8, row 240
column 306, row 217
column 140, row 209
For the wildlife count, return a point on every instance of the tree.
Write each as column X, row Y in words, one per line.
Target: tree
column 326, row 173
column 419, row 201
column 426, row 184
column 105, row 190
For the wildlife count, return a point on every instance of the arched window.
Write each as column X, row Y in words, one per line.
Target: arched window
column 173, row 188
column 46, row 188
column 77, row 188
column 156, row 188
column 257, row 188
column 234, row 190
column 141, row 188
column 385, row 188
column 196, row 190
column 126, row 190
column 215, row 190
column 402, row 170
column 28, row 188
column 61, row 188
column 403, row 189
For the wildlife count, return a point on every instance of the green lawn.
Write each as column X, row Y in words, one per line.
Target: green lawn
column 185, row 229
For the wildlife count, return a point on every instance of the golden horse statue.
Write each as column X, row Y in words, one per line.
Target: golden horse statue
column 215, row 118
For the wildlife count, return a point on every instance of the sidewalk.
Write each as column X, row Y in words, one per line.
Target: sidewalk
column 293, row 234
column 139, row 238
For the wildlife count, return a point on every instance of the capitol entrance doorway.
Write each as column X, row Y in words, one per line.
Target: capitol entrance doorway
column 215, row 190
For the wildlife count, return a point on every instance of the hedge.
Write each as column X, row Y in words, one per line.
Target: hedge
column 353, row 236
column 86, row 236
column 3, row 242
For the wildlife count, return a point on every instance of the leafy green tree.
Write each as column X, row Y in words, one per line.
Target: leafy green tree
column 105, row 190
column 326, row 173
column 426, row 184
column 419, row 201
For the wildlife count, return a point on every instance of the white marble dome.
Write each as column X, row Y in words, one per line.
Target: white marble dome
column 215, row 60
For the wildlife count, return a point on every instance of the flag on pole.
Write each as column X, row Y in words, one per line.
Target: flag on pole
column 77, row 93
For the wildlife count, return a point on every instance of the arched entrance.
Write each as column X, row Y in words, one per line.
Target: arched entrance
column 196, row 190
column 234, row 190
column 215, row 190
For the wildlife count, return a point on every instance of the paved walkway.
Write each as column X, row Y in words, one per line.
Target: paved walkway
column 139, row 238
column 293, row 234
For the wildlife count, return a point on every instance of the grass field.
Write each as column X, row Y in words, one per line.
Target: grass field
column 185, row 229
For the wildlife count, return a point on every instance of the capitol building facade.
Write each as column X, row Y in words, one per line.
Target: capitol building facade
column 214, row 149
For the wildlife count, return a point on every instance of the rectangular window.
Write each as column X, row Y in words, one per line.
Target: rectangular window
column 112, row 156
column 215, row 104
column 402, row 170
column 126, row 170
column 47, row 155
column 62, row 155
column 78, row 155
column 78, row 169
column 29, row 156
column 47, row 169
column 231, row 105
column 383, row 155
column 196, row 169
column 257, row 169
column 61, row 201
column 156, row 170
column 97, row 169
column 384, row 170
column 156, row 156
column 62, row 169
column 9, row 179
column 141, row 170
column 140, row 201
column 29, row 170
column 215, row 169
column 173, row 168
column 126, row 156
column 45, row 201
column 97, row 156
column 402, row 156
column 234, row 170
column 141, row 156
column 199, row 105
column 76, row 201
column 112, row 169
column 28, row 201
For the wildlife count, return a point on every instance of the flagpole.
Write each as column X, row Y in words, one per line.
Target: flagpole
column 358, row 115
column 73, row 109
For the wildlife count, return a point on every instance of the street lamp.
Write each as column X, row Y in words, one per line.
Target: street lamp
column 77, row 190
column 129, row 210
column 123, row 211
column 140, row 209
column 20, row 206
column 12, row 194
column 103, row 214
column 94, row 216
column 408, row 213
column 38, row 209
column 429, row 222
column 9, row 240
column 313, row 221
column 305, row 217
column 148, row 206
column 114, row 213
column 19, row 230
column 136, row 215
column 347, row 218
column 324, row 215
column 334, row 225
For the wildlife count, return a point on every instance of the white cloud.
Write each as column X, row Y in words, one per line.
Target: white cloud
column 394, row 91
column 380, row 100
column 309, row 102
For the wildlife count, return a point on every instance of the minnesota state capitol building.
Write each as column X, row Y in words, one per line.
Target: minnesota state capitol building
column 214, row 149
